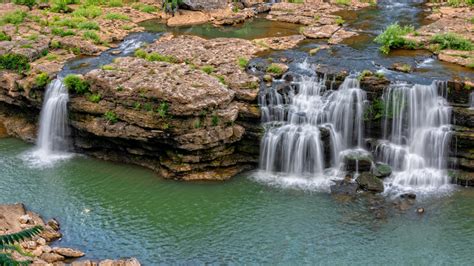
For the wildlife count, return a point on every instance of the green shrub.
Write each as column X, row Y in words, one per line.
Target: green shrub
column 365, row 73
column 275, row 69
column 87, row 12
column 32, row 37
column 162, row 109
column 392, row 37
column 41, row 80
column 55, row 44
column 115, row 3
column 148, row 107
column 4, row 36
column 29, row 3
column 92, row 35
column 51, row 57
column 208, row 69
column 111, row 117
column 140, row 53
column 144, row 8
column 16, row 17
column 339, row 21
column 94, row 2
column 242, row 62
column 159, row 57
column 95, row 98
column 61, row 32
column 457, row 3
column 215, row 120
column 60, row 6
column 88, row 25
column 16, row 62
column 452, row 41
column 76, row 84
column 116, row 16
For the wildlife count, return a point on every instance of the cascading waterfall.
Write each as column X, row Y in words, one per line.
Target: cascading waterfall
column 297, row 116
column 53, row 135
column 417, row 135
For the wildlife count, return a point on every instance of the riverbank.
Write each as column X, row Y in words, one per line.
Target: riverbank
column 37, row 250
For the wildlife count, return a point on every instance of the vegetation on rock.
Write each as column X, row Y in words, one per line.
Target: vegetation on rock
column 16, row 62
column 76, row 84
column 393, row 37
column 452, row 41
column 7, row 243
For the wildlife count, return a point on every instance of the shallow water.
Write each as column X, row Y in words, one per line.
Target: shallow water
column 113, row 210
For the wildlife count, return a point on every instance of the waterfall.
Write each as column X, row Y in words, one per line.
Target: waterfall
column 300, row 118
column 53, row 135
column 417, row 135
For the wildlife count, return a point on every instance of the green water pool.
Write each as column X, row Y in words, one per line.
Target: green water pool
column 114, row 210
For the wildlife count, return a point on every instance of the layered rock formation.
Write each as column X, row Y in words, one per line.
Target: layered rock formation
column 194, row 117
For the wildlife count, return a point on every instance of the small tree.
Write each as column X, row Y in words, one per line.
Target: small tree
column 7, row 242
column 171, row 6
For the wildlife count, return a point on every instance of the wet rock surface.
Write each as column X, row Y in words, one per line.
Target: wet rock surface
column 369, row 182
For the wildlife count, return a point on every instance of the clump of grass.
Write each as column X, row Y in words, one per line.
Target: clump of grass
column 140, row 53
column 452, row 41
column 144, row 8
column 162, row 109
column 76, row 84
column 88, row 25
column 208, row 69
column 343, row 2
column 115, row 3
column 365, row 73
column 111, row 117
column 51, row 57
column 457, row 3
column 274, row 69
column 62, row 32
column 215, row 120
column 116, row 16
column 393, row 37
column 108, row 67
column 29, row 3
column 92, row 35
column 159, row 57
column 339, row 21
column 61, row 6
column 16, row 62
column 87, row 12
column 16, row 17
column 242, row 62
column 95, row 98
column 41, row 80
column 4, row 36
column 55, row 44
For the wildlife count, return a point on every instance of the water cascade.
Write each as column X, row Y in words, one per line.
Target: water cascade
column 305, row 121
column 53, row 135
column 417, row 135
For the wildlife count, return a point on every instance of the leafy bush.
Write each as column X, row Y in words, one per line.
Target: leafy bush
column 4, row 36
column 275, row 69
column 60, row 6
column 41, row 80
column 29, row 3
column 76, row 84
column 392, row 37
column 92, row 35
column 457, row 3
column 88, row 25
column 159, row 57
column 208, row 69
column 116, row 16
column 95, row 98
column 61, row 32
column 242, row 62
column 144, row 8
column 111, row 117
column 15, row 17
column 140, row 53
column 7, row 242
column 14, row 62
column 452, row 41
column 87, row 12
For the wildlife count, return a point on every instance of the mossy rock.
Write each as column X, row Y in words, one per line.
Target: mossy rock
column 369, row 182
column 382, row 170
column 358, row 162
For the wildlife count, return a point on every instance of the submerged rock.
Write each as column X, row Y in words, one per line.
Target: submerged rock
column 370, row 182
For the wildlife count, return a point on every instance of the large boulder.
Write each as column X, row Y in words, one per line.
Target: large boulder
column 382, row 170
column 199, row 5
column 369, row 182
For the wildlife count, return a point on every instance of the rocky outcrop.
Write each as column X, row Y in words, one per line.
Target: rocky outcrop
column 199, row 5
column 194, row 117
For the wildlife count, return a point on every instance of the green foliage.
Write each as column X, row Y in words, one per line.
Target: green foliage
column 159, row 57
column 140, row 53
column 392, row 37
column 87, row 12
column 457, row 3
column 88, row 25
column 111, row 117
column 375, row 111
column 116, row 16
column 4, row 37
column 208, row 69
column 365, row 73
column 343, row 2
column 148, row 107
column 16, row 17
column 162, row 109
column 339, row 21
column 242, row 62
column 55, row 44
column 51, row 57
column 7, row 243
column 170, row 6
column 452, row 41
column 60, row 6
column 107, row 67
column 115, row 3
column 41, row 80
column 62, row 32
column 197, row 123
column 32, row 37
column 296, row 1
column 215, row 120
column 275, row 69
column 144, row 8
column 16, row 62
column 76, row 84
column 92, row 35
column 95, row 98
column 29, row 3
column 221, row 79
